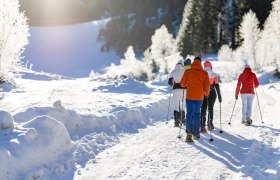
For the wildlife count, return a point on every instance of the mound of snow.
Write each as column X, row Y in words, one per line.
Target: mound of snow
column 70, row 119
column 6, row 120
column 39, row 141
column 128, row 85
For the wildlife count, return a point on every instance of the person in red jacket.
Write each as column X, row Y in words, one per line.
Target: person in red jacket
column 249, row 81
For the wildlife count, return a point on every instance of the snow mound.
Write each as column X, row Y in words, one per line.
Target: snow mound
column 69, row 118
column 6, row 120
column 128, row 85
column 32, row 145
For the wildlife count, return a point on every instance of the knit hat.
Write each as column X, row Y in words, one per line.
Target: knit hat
column 197, row 58
column 246, row 66
column 187, row 62
column 207, row 64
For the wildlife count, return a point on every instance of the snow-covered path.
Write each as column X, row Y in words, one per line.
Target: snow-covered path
column 156, row 152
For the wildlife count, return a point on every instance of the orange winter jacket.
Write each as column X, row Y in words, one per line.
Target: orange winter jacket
column 197, row 82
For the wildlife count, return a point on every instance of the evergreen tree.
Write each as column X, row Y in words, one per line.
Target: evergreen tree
column 163, row 45
column 250, row 33
column 268, row 46
column 180, row 40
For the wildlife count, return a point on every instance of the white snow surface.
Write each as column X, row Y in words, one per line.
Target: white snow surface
column 71, row 50
column 96, row 128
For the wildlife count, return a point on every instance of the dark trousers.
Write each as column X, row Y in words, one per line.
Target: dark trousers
column 208, row 103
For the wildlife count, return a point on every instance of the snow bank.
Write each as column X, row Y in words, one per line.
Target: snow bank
column 6, row 120
column 69, row 118
column 34, row 144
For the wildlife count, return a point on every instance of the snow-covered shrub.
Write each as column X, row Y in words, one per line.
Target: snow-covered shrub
column 163, row 46
column 250, row 33
column 57, row 105
column 129, row 66
column 6, row 120
column 13, row 38
column 93, row 75
column 225, row 53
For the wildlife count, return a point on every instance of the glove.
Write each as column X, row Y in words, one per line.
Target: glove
column 236, row 97
column 220, row 99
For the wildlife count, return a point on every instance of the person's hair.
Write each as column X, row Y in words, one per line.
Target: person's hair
column 197, row 58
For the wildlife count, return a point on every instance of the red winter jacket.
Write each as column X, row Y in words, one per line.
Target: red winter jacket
column 248, row 80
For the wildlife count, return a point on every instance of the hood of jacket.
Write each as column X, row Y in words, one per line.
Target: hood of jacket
column 179, row 66
column 196, row 65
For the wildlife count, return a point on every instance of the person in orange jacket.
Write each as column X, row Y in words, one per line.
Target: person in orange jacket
column 249, row 81
column 198, row 86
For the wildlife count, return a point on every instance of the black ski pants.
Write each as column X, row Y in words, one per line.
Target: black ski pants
column 208, row 103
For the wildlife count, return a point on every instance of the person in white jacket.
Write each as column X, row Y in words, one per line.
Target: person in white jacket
column 178, row 92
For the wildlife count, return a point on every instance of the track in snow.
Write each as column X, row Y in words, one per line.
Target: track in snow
column 156, row 152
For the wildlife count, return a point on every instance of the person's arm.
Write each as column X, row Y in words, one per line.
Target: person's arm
column 238, row 87
column 206, row 85
column 184, row 79
column 256, row 82
column 217, row 87
column 170, row 81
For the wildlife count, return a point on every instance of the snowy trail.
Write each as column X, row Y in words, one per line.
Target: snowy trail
column 156, row 152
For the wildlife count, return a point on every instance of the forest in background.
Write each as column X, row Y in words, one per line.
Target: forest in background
column 213, row 22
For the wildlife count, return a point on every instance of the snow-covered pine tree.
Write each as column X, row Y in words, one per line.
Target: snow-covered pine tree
column 163, row 45
column 250, row 32
column 13, row 38
column 183, row 27
column 268, row 46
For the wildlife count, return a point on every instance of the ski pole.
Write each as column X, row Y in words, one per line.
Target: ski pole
column 181, row 123
column 168, row 106
column 232, row 112
column 180, row 120
column 259, row 105
column 211, row 138
column 221, row 130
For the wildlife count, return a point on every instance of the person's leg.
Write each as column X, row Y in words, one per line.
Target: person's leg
column 211, row 101
column 250, row 99
column 203, row 112
column 244, row 107
column 176, row 100
column 196, row 117
column 189, row 117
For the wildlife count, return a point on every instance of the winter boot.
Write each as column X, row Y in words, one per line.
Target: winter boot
column 249, row 121
column 210, row 127
column 203, row 130
column 189, row 138
column 196, row 137
column 176, row 119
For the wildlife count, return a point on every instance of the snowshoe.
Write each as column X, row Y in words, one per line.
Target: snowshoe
column 189, row 138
